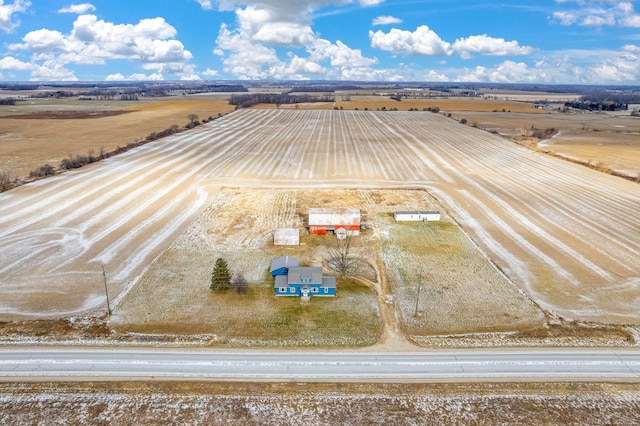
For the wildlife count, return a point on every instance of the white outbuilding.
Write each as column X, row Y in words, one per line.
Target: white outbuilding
column 286, row 237
column 417, row 216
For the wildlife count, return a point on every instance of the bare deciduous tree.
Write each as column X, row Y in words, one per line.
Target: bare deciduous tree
column 240, row 284
column 343, row 256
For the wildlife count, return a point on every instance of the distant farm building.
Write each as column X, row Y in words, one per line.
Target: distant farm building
column 301, row 281
column 286, row 237
column 341, row 221
column 417, row 216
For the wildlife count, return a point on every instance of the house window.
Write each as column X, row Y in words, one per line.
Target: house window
column 326, row 289
column 314, row 290
column 283, row 289
column 305, row 280
column 292, row 290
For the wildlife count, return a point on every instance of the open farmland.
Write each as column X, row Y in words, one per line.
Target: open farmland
column 565, row 234
column 26, row 144
column 609, row 140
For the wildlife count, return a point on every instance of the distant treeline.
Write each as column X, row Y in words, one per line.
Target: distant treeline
column 615, row 96
column 122, row 90
column 597, row 106
column 7, row 101
column 323, row 88
column 606, row 100
column 245, row 101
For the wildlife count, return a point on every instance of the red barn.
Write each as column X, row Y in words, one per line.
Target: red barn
column 323, row 220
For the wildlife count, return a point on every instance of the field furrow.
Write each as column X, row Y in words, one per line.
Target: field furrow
column 565, row 234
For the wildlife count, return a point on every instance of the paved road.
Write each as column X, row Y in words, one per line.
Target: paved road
column 433, row 366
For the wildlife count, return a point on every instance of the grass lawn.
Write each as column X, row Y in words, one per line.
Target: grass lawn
column 259, row 318
column 460, row 290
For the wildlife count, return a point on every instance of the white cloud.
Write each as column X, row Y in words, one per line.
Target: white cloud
column 435, row 76
column 134, row 77
column 78, row 9
column 339, row 54
column 91, row 41
column 385, row 20
column 598, row 13
column 422, row 42
column 12, row 64
column 7, row 23
column 210, row 72
column 368, row 3
column 631, row 48
column 485, row 45
column 53, row 71
column 205, row 4
column 248, row 51
column 575, row 67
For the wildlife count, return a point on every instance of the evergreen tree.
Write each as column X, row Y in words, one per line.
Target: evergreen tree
column 221, row 276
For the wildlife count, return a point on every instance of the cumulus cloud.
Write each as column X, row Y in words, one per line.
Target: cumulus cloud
column 576, row 66
column 385, row 20
column 209, row 72
column 249, row 49
column 134, row 77
column 368, row 3
column 485, row 45
column 10, row 63
column 598, row 13
column 78, row 9
column 92, row 41
column 205, row 4
column 421, row 42
column 7, row 22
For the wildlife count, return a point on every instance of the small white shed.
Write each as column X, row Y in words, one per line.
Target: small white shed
column 286, row 237
column 417, row 216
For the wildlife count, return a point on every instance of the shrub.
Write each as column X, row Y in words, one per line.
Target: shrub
column 44, row 170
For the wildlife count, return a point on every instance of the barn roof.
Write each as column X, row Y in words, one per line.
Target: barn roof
column 334, row 216
column 418, row 212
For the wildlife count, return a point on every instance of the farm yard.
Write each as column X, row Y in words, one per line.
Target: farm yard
column 564, row 235
column 238, row 225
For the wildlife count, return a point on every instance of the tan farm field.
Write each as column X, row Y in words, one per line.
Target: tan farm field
column 28, row 143
column 566, row 235
column 609, row 141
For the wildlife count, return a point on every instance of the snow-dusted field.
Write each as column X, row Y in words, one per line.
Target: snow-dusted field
column 153, row 403
column 565, row 234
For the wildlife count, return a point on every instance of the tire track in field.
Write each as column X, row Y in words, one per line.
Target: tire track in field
column 529, row 211
column 552, row 205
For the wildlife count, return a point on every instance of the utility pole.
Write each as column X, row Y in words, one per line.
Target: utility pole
column 415, row 314
column 106, row 291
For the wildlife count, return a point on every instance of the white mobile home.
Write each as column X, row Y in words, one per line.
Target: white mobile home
column 417, row 216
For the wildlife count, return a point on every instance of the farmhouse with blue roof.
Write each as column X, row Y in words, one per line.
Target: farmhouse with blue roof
column 301, row 281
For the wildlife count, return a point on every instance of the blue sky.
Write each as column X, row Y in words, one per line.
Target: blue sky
column 546, row 41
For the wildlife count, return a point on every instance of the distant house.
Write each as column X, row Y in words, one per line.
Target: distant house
column 280, row 265
column 417, row 216
column 305, row 282
column 340, row 221
column 286, row 237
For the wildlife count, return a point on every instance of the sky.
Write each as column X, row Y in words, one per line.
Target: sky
column 543, row 41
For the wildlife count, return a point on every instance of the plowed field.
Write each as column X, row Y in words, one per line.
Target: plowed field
column 565, row 234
